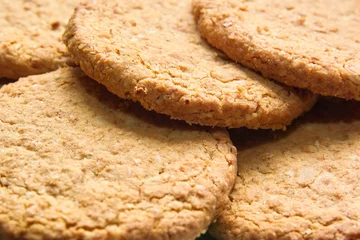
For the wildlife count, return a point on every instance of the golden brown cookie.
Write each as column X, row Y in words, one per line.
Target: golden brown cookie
column 299, row 184
column 30, row 36
column 150, row 51
column 77, row 162
column 307, row 44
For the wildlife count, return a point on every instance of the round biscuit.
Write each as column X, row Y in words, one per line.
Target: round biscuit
column 298, row 184
column 313, row 45
column 77, row 162
column 150, row 51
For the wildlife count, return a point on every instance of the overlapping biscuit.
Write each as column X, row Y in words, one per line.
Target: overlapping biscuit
column 151, row 52
column 308, row 44
column 299, row 184
column 30, row 36
column 77, row 162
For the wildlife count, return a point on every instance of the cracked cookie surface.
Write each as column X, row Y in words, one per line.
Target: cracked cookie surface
column 77, row 162
column 308, row 44
column 299, row 184
column 30, row 36
column 151, row 52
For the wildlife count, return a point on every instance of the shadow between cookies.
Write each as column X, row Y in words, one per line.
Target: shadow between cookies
column 327, row 110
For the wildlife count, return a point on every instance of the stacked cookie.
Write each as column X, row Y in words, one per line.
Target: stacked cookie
column 97, row 151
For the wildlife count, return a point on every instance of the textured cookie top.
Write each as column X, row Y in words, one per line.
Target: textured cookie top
column 30, row 36
column 307, row 44
column 77, row 162
column 150, row 51
column 299, row 184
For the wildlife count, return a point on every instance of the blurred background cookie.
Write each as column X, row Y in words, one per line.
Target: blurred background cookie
column 30, row 36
